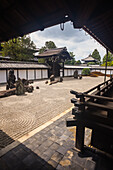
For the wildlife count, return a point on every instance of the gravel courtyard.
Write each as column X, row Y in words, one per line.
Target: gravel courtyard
column 21, row 114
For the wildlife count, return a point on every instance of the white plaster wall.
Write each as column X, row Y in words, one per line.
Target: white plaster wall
column 30, row 74
column 3, row 76
column 108, row 72
column 69, row 72
column 79, row 71
column 38, row 74
column 65, row 72
column 22, row 74
column 44, row 73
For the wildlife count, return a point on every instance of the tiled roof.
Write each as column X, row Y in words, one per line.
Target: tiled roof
column 21, row 65
column 89, row 58
column 55, row 52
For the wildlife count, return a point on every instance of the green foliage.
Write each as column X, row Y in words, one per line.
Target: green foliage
column 86, row 71
column 48, row 45
column 110, row 57
column 20, row 48
column 41, row 50
column 78, row 62
column 91, row 63
column 72, row 61
column 96, row 55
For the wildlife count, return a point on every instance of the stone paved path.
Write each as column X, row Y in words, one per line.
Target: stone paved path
column 52, row 148
column 21, row 114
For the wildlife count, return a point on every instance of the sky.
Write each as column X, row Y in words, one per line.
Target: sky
column 75, row 40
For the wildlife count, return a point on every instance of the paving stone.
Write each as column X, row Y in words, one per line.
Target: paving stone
column 57, row 157
column 47, row 143
column 20, row 153
column 54, row 146
column 35, row 166
column 64, row 137
column 75, row 166
column 90, row 165
column 69, row 154
column 29, row 160
column 62, row 150
column 68, row 133
column 49, row 152
column 79, row 160
column 3, row 165
column 65, row 162
column 52, row 163
column 31, row 140
column 47, row 167
column 60, row 141
column 45, row 157
column 47, row 135
column 11, row 160
column 54, row 138
column 40, row 149
column 59, row 167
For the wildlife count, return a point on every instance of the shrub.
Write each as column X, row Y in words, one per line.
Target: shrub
column 86, row 72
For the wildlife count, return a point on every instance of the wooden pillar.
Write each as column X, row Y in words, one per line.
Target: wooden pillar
column 34, row 74
column 62, row 69
column 106, row 64
column 80, row 129
column 27, row 74
column 6, row 75
column 41, row 74
column 17, row 74
column 53, row 71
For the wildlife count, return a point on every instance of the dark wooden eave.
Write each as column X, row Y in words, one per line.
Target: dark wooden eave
column 61, row 52
column 22, row 17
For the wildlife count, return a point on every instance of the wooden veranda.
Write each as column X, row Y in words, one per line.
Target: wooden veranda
column 94, row 109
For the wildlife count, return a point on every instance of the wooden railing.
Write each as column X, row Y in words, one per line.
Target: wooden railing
column 88, row 112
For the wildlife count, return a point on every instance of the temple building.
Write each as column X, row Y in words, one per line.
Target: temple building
column 89, row 59
column 55, row 59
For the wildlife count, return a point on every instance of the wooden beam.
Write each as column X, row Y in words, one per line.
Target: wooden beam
column 99, row 97
column 106, row 64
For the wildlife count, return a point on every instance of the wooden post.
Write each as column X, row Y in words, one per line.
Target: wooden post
column 80, row 130
column 63, row 69
column 53, row 68
column 106, row 64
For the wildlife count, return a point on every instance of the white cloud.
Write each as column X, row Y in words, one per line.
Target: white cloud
column 71, row 38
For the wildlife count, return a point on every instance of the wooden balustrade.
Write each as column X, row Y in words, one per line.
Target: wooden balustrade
column 88, row 112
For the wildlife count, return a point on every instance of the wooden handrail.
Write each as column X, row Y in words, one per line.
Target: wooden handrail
column 99, row 97
column 100, row 106
column 88, row 91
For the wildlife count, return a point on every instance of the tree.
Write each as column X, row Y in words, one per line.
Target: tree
column 110, row 57
column 86, row 71
column 48, row 45
column 72, row 61
column 96, row 55
column 90, row 63
column 21, row 48
column 78, row 62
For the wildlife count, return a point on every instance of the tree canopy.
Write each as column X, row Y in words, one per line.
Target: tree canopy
column 96, row 55
column 21, row 48
column 72, row 61
column 110, row 57
column 48, row 45
column 109, row 60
